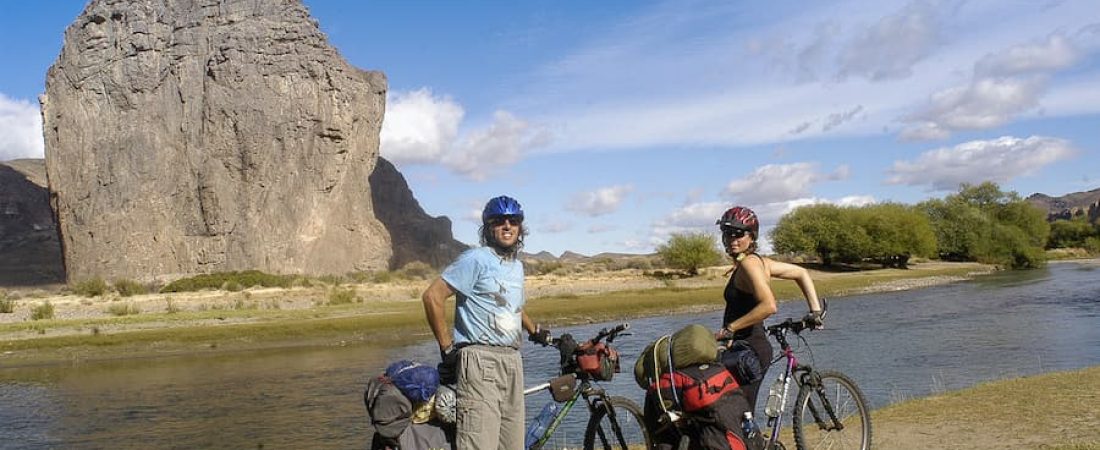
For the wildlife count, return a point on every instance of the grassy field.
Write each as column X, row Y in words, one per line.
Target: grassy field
column 245, row 320
column 1055, row 411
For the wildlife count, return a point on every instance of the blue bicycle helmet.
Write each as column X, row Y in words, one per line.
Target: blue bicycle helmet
column 501, row 206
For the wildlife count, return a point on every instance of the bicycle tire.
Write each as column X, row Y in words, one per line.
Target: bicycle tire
column 604, row 433
column 813, row 427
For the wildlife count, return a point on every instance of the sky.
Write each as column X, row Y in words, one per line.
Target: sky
column 617, row 123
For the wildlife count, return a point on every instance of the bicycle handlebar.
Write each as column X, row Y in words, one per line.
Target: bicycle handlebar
column 612, row 333
column 603, row 333
column 809, row 322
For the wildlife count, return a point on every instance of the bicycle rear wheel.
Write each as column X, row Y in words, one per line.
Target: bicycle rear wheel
column 617, row 426
column 831, row 414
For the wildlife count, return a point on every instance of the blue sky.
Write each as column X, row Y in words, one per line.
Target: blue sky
column 616, row 123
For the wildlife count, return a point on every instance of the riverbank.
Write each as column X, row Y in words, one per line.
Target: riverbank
column 1054, row 411
column 380, row 313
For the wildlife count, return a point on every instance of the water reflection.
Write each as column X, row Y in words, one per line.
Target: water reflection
column 896, row 345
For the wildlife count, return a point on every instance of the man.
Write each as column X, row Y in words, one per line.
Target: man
column 484, row 349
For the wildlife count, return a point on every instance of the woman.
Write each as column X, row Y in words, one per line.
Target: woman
column 749, row 298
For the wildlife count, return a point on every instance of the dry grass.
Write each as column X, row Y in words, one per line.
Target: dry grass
column 1050, row 411
column 259, row 318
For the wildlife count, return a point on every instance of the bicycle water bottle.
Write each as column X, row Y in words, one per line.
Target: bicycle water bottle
column 540, row 424
column 771, row 408
column 749, row 427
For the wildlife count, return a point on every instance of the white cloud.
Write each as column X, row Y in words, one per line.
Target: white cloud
column 599, row 202
column 985, row 103
column 836, row 119
column 890, row 48
column 775, row 183
column 856, row 200
column 418, row 127
column 1054, row 53
column 998, row 160
column 1004, row 85
column 502, row 144
column 421, row 128
column 20, row 129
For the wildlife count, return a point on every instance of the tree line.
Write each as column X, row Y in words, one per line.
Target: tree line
column 977, row 223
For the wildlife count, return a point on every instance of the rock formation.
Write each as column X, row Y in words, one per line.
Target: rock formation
column 1068, row 206
column 416, row 236
column 28, row 238
column 192, row 136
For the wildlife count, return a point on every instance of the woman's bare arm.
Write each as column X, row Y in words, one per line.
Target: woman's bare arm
column 800, row 276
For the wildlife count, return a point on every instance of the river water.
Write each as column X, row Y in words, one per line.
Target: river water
column 897, row 346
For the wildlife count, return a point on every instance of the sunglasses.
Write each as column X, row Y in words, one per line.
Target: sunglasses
column 733, row 233
column 497, row 221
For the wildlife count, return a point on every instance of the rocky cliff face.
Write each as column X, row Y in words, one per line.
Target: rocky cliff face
column 416, row 236
column 1070, row 205
column 190, row 136
column 28, row 238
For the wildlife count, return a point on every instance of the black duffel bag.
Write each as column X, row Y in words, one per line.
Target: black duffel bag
column 742, row 362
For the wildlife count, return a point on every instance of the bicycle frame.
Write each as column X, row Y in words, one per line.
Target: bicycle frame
column 775, row 423
column 585, row 389
column 565, row 408
column 802, row 375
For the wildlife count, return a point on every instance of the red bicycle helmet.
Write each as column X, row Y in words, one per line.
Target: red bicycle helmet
column 741, row 218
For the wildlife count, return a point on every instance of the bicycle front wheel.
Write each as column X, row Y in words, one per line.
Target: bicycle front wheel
column 831, row 413
column 617, row 425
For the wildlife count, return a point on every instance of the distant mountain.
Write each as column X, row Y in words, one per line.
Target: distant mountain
column 621, row 255
column 540, row 256
column 571, row 256
column 1069, row 205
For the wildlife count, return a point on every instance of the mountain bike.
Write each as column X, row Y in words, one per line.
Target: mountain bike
column 614, row 422
column 829, row 412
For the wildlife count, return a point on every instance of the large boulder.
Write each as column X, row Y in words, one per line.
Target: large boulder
column 193, row 136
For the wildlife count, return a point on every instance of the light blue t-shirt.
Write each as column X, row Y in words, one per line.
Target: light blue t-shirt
column 490, row 297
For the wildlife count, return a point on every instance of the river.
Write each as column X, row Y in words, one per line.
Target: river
column 896, row 345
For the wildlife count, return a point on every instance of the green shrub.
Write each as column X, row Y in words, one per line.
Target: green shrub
column 123, row 309
column 382, row 276
column 1092, row 245
column 43, row 311
column 7, row 305
column 342, row 296
column 128, row 288
column 689, row 252
column 417, row 270
column 93, row 287
column 542, row 267
column 229, row 280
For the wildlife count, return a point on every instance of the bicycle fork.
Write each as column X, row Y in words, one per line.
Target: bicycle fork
column 604, row 402
column 813, row 380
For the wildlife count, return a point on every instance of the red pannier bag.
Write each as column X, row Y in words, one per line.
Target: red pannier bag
column 598, row 360
column 697, row 387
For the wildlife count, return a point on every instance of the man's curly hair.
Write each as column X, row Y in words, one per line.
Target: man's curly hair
column 488, row 240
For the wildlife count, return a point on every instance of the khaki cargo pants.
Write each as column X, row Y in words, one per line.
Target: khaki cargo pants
column 490, row 398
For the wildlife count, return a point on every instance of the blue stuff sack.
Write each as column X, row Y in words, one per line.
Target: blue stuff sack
column 416, row 381
column 742, row 362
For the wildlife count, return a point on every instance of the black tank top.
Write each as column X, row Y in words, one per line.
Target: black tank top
column 738, row 304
